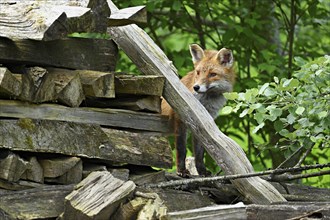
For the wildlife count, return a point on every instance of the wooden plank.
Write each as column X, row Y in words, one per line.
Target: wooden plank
column 34, row 171
column 86, row 141
column 45, row 202
column 10, row 87
column 97, row 197
column 98, row 84
column 226, row 212
column 107, row 117
column 131, row 15
column 50, row 20
column 12, row 166
column 129, row 102
column 71, row 53
column 301, row 210
column 151, row 60
column 139, row 85
column 37, row 86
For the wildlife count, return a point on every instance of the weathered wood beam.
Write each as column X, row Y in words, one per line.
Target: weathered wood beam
column 107, row 117
column 50, row 20
column 45, row 202
column 151, row 60
column 10, row 87
column 98, row 84
column 12, row 166
column 131, row 15
column 139, row 85
column 71, row 53
column 97, row 197
column 34, row 171
column 86, row 141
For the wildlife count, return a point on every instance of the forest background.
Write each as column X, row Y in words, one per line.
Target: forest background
column 279, row 110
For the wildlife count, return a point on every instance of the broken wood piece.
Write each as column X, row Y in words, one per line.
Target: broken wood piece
column 37, row 86
column 10, row 87
column 97, row 84
column 45, row 202
column 107, row 117
column 51, row 20
column 151, row 60
column 68, row 87
column 139, row 85
column 12, row 166
column 129, row 102
column 34, row 171
column 153, row 209
column 131, row 15
column 97, row 196
column 86, row 141
column 93, row 54
column 64, row 170
column 131, row 209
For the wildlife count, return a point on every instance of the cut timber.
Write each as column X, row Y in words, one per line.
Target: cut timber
column 50, row 20
column 97, row 84
column 139, row 85
column 65, row 170
column 151, row 60
column 68, row 87
column 10, row 87
column 45, row 202
column 97, row 197
column 131, row 15
column 37, row 86
column 71, row 53
column 86, row 140
column 130, row 102
column 131, row 209
column 226, row 212
column 108, row 117
column 34, row 171
column 153, row 209
column 12, row 166
column 301, row 210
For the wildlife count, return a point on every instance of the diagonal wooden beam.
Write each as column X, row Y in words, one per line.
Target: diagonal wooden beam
column 151, row 60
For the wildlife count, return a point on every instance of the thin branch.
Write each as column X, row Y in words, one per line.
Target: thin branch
column 304, row 156
column 288, row 177
column 290, row 157
column 233, row 177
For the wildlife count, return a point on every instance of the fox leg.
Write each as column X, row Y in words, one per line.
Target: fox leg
column 199, row 157
column 181, row 141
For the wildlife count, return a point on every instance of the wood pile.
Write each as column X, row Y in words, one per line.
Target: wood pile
column 78, row 139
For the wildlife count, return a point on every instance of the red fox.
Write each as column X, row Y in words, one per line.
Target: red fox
column 213, row 75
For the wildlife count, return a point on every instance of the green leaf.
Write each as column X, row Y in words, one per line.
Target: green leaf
column 231, row 95
column 300, row 110
column 263, row 88
column 256, row 129
column 245, row 112
column 227, row 110
column 322, row 114
column 290, row 119
column 278, row 125
column 269, row 92
column 259, row 117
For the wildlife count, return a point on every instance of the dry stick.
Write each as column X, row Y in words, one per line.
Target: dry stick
column 237, row 176
column 304, row 156
column 299, row 176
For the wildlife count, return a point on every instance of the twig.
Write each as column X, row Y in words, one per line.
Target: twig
column 233, row 177
column 307, row 214
column 299, row 176
column 304, row 156
column 290, row 157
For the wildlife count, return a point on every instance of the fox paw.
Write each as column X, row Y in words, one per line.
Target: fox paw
column 183, row 173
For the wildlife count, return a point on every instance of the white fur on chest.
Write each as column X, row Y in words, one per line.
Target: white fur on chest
column 213, row 103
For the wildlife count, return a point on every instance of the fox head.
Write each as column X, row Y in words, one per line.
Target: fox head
column 213, row 71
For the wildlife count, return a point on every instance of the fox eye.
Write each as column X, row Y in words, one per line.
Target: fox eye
column 212, row 74
column 197, row 72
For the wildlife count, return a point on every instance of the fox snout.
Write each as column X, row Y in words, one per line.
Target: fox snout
column 196, row 88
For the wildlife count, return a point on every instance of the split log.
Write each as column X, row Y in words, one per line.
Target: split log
column 228, row 155
column 107, row 117
column 139, row 85
column 12, row 166
column 129, row 102
column 87, row 141
column 41, row 203
column 153, row 209
column 68, row 87
column 131, row 15
column 71, row 53
column 97, row 197
column 10, row 87
column 97, row 84
column 306, row 210
column 37, row 86
column 50, row 20
column 34, row 171
column 131, row 209
column 65, row 170
column 226, row 212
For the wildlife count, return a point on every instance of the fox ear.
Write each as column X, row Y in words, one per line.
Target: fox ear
column 225, row 57
column 197, row 53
